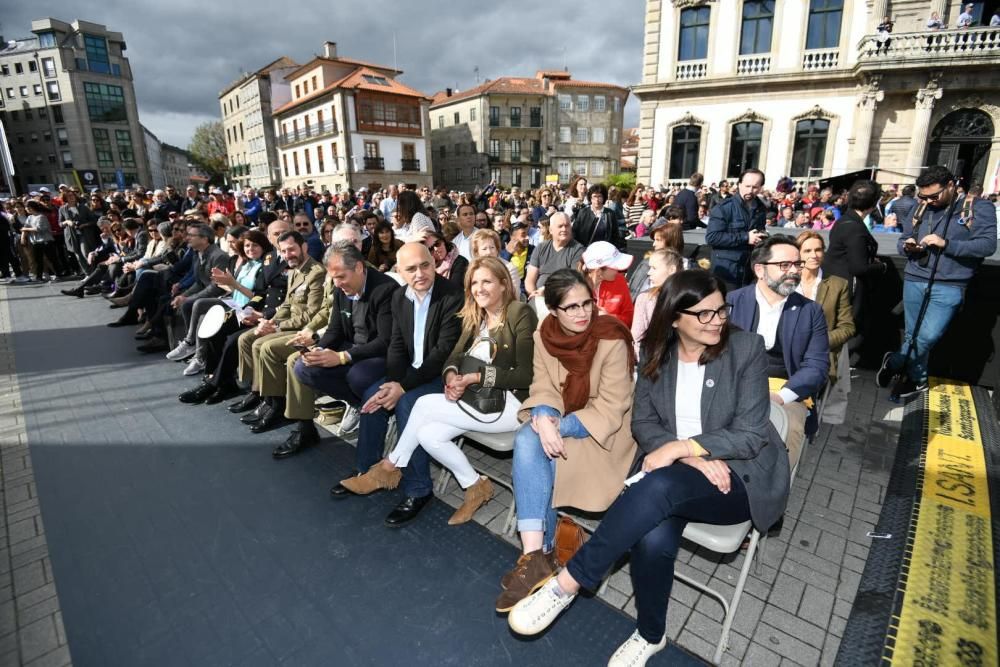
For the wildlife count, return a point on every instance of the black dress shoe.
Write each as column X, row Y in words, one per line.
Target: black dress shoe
column 90, row 291
column 144, row 335
column 153, row 345
column 125, row 320
column 77, row 292
column 248, row 402
column 254, row 417
column 304, row 436
column 223, row 393
column 339, row 492
column 273, row 418
column 198, row 394
column 407, row 511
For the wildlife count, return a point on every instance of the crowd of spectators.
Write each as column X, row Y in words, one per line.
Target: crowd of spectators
column 520, row 313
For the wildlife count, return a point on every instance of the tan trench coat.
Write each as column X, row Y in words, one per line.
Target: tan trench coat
column 594, row 470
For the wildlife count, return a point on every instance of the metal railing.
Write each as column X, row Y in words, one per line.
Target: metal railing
column 328, row 128
column 374, row 163
column 410, row 164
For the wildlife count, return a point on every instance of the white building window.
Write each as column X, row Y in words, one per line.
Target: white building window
column 495, row 174
column 24, row 91
column 37, row 89
column 564, row 170
column 599, row 135
column 565, row 135
column 515, row 177
column 53, row 90
column 600, row 103
column 614, row 135
column 581, row 168
column 48, row 67
column 582, row 103
column 596, row 168
column 472, row 113
column 582, row 135
column 618, row 104
column 565, row 102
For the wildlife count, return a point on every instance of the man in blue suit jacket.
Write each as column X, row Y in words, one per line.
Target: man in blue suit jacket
column 794, row 332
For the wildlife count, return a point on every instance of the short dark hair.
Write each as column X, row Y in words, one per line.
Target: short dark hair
column 597, row 189
column 696, row 179
column 679, row 292
column 863, row 195
column 131, row 223
column 936, row 175
column 909, row 190
column 762, row 252
column 674, row 212
column 260, row 238
column 747, row 172
column 294, row 235
column 562, row 281
column 267, row 217
column 201, row 229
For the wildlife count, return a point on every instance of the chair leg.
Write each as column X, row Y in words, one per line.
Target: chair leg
column 391, row 436
column 510, row 524
column 727, row 624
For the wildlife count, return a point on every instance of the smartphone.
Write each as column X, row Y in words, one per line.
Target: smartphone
column 301, row 348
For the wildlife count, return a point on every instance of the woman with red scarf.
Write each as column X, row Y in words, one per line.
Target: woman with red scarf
column 575, row 446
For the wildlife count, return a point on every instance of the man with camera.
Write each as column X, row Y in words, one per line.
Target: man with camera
column 735, row 228
column 944, row 243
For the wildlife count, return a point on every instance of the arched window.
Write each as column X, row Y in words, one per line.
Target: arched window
column 758, row 19
column 685, row 150
column 810, row 145
column 744, row 147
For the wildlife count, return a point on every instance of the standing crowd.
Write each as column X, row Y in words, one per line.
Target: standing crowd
column 519, row 313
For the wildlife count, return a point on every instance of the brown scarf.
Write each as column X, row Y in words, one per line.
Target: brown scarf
column 576, row 353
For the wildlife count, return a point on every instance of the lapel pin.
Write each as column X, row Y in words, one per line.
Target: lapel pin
column 709, row 383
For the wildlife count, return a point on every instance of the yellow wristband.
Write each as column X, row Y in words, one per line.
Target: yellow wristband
column 343, row 358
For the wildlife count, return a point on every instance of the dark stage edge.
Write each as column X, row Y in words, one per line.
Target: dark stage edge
column 175, row 539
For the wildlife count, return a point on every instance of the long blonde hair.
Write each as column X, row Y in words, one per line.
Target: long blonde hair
column 472, row 315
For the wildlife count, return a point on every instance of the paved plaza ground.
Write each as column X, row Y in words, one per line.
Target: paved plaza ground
column 171, row 537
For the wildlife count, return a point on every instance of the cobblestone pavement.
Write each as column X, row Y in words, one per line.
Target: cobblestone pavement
column 793, row 612
column 31, row 627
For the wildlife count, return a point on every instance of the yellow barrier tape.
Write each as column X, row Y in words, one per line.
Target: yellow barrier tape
column 948, row 615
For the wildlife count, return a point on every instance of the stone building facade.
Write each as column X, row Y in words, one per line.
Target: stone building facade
column 68, row 104
column 809, row 89
column 519, row 130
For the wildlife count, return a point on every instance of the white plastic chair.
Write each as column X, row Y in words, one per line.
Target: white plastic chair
column 497, row 442
column 726, row 540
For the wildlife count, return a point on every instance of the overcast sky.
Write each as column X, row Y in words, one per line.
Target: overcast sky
column 183, row 52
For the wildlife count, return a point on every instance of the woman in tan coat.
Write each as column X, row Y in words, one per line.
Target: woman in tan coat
column 575, row 446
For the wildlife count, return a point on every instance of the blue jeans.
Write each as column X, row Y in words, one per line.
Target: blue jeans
column 346, row 383
column 371, row 438
column 534, row 477
column 944, row 301
column 648, row 520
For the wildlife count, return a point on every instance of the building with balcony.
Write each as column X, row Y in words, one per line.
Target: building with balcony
column 517, row 131
column 247, row 105
column 351, row 124
column 68, row 104
column 807, row 89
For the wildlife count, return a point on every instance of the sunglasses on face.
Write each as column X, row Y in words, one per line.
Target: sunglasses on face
column 934, row 196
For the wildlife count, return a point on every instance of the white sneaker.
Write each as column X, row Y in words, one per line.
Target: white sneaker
column 46, row 277
column 636, row 651
column 183, row 350
column 22, row 279
column 537, row 611
column 195, row 366
column 349, row 422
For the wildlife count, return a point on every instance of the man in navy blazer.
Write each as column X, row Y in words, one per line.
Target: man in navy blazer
column 794, row 332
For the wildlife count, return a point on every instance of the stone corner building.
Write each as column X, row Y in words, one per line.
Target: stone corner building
column 806, row 89
column 518, row 130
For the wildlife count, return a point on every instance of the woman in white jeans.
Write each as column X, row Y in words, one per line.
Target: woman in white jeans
column 497, row 335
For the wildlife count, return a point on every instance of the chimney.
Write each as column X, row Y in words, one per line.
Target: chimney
column 329, row 49
column 447, row 92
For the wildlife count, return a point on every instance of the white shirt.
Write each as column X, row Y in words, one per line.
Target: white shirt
column 767, row 327
column 815, row 287
column 687, row 401
column 464, row 244
column 420, row 309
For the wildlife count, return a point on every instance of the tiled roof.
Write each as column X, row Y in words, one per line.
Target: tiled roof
column 343, row 61
column 505, row 85
column 355, row 81
column 587, row 84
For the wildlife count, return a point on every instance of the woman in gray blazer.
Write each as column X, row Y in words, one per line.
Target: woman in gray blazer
column 701, row 415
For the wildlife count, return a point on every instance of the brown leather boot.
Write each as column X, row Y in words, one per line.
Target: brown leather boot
column 531, row 572
column 375, row 479
column 476, row 496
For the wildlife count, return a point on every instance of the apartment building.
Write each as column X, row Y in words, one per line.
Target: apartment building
column 68, row 105
column 808, row 89
column 518, row 130
column 351, row 124
column 247, row 105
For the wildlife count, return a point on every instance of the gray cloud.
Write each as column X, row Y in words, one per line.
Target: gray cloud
column 184, row 52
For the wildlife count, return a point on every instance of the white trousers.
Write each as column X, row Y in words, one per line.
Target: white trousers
column 435, row 422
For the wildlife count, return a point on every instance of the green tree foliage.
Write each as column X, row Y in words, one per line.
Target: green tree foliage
column 624, row 181
column 208, row 150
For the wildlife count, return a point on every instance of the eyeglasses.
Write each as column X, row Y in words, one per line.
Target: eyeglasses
column 785, row 266
column 706, row 316
column 578, row 308
column 934, row 196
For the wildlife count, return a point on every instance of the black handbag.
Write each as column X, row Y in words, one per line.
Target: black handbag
column 484, row 400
